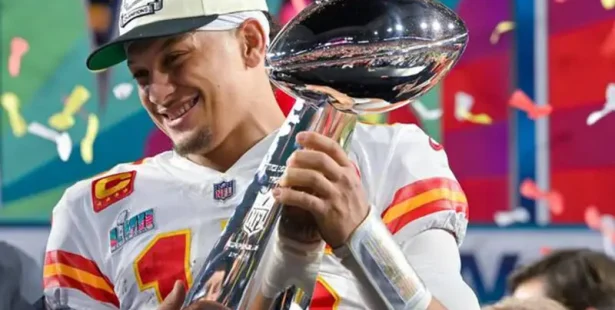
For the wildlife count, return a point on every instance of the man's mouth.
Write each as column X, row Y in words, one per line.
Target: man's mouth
column 177, row 112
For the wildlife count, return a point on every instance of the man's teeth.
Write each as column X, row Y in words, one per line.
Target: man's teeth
column 179, row 112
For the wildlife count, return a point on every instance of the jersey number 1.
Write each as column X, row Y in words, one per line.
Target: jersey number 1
column 164, row 260
column 324, row 297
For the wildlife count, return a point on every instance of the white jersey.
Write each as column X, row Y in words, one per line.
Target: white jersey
column 122, row 239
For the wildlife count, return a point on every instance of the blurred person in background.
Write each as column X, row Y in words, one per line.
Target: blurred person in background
column 133, row 237
column 20, row 279
column 579, row 279
column 532, row 303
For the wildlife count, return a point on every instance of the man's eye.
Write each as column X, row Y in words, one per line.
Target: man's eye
column 140, row 77
column 173, row 58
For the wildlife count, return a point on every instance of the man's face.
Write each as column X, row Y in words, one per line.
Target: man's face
column 530, row 288
column 189, row 86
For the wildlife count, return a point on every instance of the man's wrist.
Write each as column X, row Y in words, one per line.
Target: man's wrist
column 373, row 251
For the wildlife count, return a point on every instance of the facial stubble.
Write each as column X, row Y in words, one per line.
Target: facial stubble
column 198, row 142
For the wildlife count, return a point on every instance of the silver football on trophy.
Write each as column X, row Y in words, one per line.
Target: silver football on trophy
column 366, row 56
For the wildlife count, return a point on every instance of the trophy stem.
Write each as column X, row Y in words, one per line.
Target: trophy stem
column 236, row 256
column 335, row 124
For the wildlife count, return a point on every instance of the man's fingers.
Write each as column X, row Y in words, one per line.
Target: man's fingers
column 299, row 199
column 309, row 180
column 316, row 160
column 175, row 299
column 316, row 141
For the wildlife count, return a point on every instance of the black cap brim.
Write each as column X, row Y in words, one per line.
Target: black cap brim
column 113, row 52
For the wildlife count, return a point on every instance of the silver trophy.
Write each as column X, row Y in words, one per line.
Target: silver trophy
column 340, row 59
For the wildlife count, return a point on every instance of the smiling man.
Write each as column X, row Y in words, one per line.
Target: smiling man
column 134, row 237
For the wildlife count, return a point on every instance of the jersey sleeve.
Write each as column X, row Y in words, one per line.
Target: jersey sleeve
column 418, row 191
column 434, row 256
column 72, row 276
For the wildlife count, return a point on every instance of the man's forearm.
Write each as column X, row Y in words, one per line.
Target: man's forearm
column 373, row 252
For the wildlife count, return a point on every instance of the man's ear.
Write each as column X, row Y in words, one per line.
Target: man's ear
column 253, row 41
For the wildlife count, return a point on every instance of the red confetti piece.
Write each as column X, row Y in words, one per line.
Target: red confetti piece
column 545, row 250
column 608, row 46
column 596, row 221
column 592, row 218
column 521, row 101
column 555, row 200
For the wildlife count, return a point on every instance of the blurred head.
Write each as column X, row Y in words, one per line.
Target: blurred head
column 578, row 279
column 533, row 303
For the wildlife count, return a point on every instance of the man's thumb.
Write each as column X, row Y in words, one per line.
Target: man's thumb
column 175, row 299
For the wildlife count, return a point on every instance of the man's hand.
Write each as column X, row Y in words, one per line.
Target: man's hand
column 176, row 298
column 330, row 187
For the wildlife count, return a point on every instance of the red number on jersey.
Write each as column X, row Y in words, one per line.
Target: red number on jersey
column 164, row 260
column 324, row 297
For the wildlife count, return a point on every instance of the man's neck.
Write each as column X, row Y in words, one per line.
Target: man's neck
column 240, row 140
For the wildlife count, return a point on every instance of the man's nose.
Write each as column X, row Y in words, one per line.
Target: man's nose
column 160, row 89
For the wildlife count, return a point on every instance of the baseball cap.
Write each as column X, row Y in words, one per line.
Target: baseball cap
column 146, row 19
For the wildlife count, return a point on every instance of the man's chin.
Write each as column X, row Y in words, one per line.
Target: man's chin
column 195, row 143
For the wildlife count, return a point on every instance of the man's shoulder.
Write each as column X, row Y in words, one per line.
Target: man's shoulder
column 389, row 143
column 389, row 135
column 110, row 185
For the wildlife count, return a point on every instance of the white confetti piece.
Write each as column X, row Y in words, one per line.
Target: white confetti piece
column 507, row 218
column 424, row 113
column 64, row 143
column 123, row 90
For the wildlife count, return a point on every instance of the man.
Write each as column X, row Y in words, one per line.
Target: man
column 579, row 279
column 134, row 237
column 533, row 303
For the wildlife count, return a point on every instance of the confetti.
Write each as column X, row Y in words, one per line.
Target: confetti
column 545, row 250
column 123, row 90
column 424, row 113
column 608, row 4
column 66, row 119
column 603, row 223
column 609, row 106
column 481, row 118
column 522, row 102
column 463, row 106
column 608, row 46
column 592, row 218
column 82, row 112
column 10, row 103
column 64, row 144
column 19, row 47
column 373, row 119
column 500, row 28
column 507, row 218
column 87, row 143
column 555, row 200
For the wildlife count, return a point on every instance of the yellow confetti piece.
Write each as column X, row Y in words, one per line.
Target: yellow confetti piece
column 608, row 4
column 87, row 144
column 481, row 118
column 12, row 106
column 223, row 224
column 372, row 118
column 502, row 27
column 65, row 120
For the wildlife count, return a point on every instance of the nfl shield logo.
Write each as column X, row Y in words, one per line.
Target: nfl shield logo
column 224, row 190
